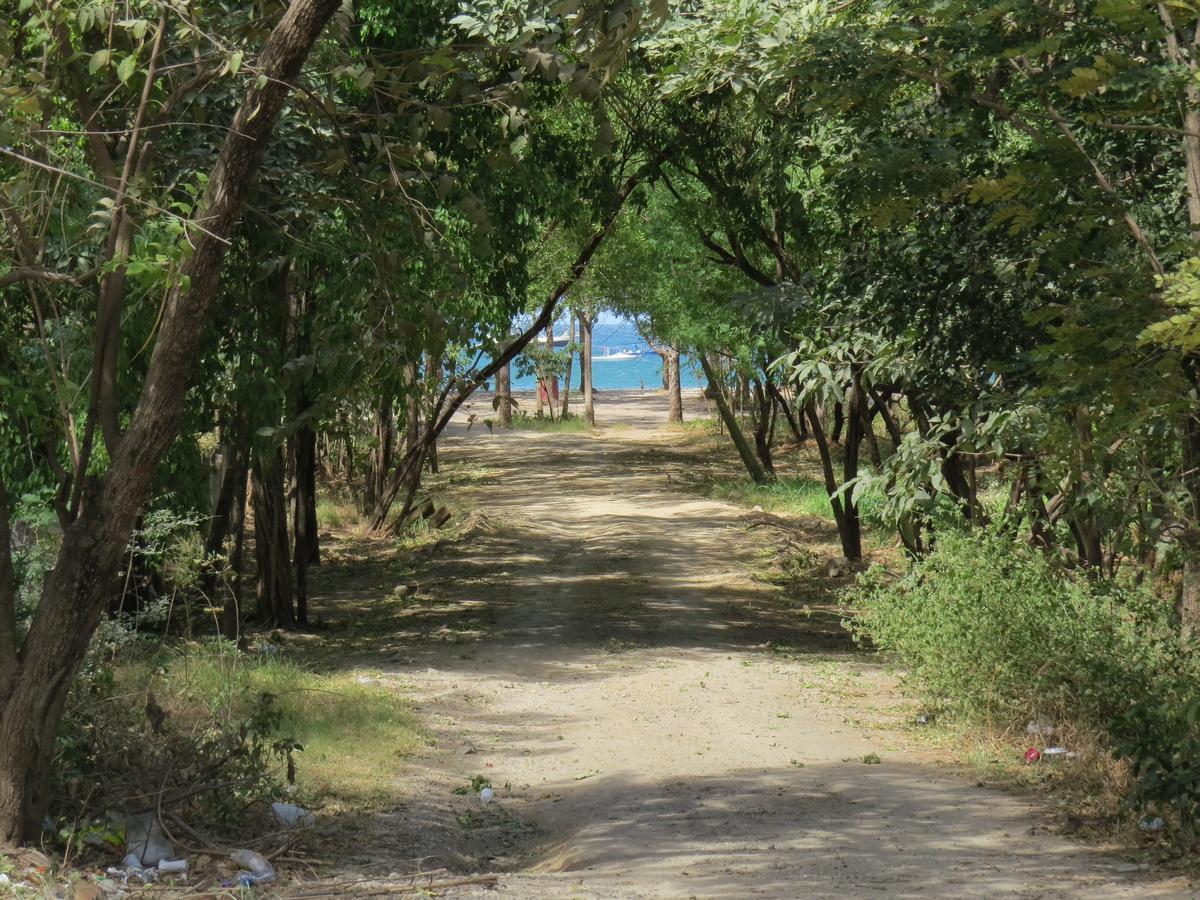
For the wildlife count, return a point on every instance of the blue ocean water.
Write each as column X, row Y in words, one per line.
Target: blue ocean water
column 610, row 335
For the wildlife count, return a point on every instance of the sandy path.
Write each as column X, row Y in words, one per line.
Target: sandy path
column 604, row 665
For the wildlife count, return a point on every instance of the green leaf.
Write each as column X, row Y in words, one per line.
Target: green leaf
column 126, row 68
column 235, row 62
column 99, row 60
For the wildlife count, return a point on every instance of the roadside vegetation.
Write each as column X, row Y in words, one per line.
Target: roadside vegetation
column 938, row 260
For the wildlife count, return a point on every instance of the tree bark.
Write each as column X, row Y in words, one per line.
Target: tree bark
column 231, row 613
column 379, row 461
column 221, row 521
column 504, row 393
column 274, row 592
column 74, row 593
column 796, row 427
column 585, row 364
column 762, row 427
column 674, row 387
column 1188, row 603
column 306, row 550
column 749, row 460
column 845, row 514
column 566, row 397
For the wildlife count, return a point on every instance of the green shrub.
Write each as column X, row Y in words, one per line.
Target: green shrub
column 995, row 630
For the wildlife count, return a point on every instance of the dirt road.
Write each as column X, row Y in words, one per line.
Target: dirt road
column 657, row 723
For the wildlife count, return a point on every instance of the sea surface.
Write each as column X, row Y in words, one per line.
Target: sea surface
column 644, row 371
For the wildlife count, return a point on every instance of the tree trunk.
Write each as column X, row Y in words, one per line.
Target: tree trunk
column 796, row 427
column 674, row 388
column 34, row 683
column 753, row 466
column 854, row 439
column 223, row 523
column 762, row 428
column 839, row 421
column 432, row 374
column 504, row 393
column 231, row 612
column 379, row 460
column 306, row 549
column 233, row 463
column 274, row 576
column 1188, row 604
column 845, row 514
column 589, row 408
column 868, row 415
column 566, row 397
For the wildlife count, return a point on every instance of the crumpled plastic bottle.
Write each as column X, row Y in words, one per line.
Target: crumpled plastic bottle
column 256, row 868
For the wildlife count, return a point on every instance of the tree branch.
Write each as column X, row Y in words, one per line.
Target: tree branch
column 446, row 406
column 48, row 276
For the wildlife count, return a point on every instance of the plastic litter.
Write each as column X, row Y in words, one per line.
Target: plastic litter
column 1043, row 727
column 290, row 815
column 125, row 873
column 1155, row 824
column 173, row 866
column 255, row 868
column 1032, row 755
column 145, row 840
column 1059, row 753
column 486, row 796
column 925, row 719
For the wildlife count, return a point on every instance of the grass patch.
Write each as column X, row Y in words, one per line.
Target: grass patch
column 788, row 495
column 355, row 728
column 337, row 512
column 572, row 424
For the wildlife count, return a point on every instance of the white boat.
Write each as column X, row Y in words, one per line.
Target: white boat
column 615, row 356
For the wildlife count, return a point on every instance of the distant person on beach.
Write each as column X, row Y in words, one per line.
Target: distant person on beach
column 643, row 384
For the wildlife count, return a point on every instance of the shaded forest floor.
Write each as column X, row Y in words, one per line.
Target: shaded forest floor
column 658, row 687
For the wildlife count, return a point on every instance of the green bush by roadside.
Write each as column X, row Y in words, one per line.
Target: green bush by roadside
column 996, row 631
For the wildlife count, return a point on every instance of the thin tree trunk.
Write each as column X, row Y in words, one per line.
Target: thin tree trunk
column 504, row 394
column 674, row 387
column 431, row 383
column 844, row 513
column 231, row 612
column 306, row 551
column 839, row 421
column 762, row 428
column 797, row 432
column 589, row 407
column 854, row 438
column 566, row 397
column 379, row 460
column 221, row 522
column 1188, row 603
column 749, row 460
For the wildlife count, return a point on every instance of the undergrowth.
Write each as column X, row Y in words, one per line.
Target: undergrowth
column 354, row 730
column 206, row 736
column 996, row 632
